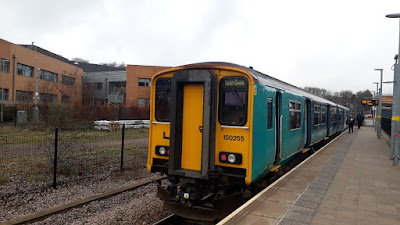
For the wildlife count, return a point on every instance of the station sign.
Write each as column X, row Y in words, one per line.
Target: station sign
column 370, row 102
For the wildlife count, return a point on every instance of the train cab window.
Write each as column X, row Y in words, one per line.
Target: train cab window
column 269, row 115
column 163, row 98
column 316, row 115
column 295, row 115
column 323, row 114
column 233, row 97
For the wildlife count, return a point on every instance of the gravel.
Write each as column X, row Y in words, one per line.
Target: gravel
column 140, row 206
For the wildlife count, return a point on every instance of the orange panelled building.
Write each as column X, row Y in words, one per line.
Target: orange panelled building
column 138, row 84
column 58, row 80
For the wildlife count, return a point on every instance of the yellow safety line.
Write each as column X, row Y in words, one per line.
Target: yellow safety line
column 396, row 118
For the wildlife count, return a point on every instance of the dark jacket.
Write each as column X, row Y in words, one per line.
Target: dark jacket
column 350, row 121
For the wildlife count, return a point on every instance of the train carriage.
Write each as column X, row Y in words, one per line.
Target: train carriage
column 217, row 128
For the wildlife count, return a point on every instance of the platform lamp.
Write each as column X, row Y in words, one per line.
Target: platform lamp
column 376, row 111
column 395, row 130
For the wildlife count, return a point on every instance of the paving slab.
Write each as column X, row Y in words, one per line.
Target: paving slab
column 350, row 181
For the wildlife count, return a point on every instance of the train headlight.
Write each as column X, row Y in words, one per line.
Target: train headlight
column 162, row 150
column 231, row 158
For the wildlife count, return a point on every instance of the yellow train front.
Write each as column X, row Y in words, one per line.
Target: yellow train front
column 218, row 128
column 199, row 136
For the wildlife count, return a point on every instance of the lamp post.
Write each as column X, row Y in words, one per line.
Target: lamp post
column 395, row 131
column 36, row 108
column 379, row 132
column 375, row 116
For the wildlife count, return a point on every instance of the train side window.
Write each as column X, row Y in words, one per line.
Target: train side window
column 295, row 115
column 316, row 115
column 233, row 97
column 269, row 119
column 163, row 98
column 333, row 114
column 323, row 114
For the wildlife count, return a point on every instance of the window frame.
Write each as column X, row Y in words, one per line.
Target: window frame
column 25, row 95
column 168, row 104
column 145, row 81
column 297, row 110
column 269, row 113
column 5, row 63
column 48, row 76
column 24, row 68
column 221, row 97
column 66, row 80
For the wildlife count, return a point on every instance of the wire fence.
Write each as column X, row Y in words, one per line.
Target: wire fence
column 39, row 159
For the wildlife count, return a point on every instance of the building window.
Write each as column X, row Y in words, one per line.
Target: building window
column 4, row 95
column 49, row 76
column 24, row 70
column 269, row 113
column 65, row 99
column 144, row 82
column 98, row 86
column 70, row 81
column 5, row 66
column 295, row 115
column 24, row 96
column 48, row 98
column 143, row 102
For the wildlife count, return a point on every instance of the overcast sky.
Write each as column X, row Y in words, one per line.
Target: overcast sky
column 334, row 44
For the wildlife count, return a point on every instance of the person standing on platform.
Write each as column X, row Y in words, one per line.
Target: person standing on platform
column 350, row 121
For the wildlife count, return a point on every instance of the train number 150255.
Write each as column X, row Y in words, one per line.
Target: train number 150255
column 233, row 138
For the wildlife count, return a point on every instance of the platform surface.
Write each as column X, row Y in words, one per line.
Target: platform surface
column 350, row 181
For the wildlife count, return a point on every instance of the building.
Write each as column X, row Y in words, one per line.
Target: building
column 29, row 69
column 138, row 84
column 103, row 84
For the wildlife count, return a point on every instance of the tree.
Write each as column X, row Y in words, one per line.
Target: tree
column 77, row 59
column 114, row 64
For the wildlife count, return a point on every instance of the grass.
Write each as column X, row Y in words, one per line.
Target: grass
column 17, row 137
column 79, row 153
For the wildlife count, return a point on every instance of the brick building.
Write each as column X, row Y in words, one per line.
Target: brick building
column 21, row 65
column 138, row 84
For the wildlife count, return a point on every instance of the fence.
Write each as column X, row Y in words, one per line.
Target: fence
column 387, row 120
column 37, row 159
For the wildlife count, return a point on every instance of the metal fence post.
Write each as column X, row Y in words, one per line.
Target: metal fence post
column 55, row 160
column 122, row 147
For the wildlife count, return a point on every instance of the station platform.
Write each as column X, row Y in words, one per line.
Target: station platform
column 349, row 181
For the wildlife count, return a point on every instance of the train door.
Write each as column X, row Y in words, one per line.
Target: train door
column 278, row 126
column 308, row 122
column 193, row 106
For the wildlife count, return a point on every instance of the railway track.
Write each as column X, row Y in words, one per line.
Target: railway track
column 38, row 216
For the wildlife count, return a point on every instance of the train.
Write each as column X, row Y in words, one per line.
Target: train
column 217, row 128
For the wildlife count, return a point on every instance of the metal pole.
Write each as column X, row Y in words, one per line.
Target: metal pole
column 2, row 91
column 380, row 109
column 122, row 147
column 379, row 115
column 36, row 109
column 395, row 134
column 55, row 159
column 376, row 111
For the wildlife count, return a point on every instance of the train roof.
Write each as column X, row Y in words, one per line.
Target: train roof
column 270, row 81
